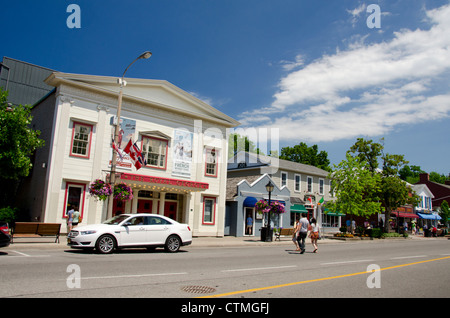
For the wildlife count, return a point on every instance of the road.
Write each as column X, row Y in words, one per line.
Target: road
column 408, row 268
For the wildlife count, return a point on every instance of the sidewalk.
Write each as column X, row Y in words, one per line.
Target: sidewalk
column 227, row 241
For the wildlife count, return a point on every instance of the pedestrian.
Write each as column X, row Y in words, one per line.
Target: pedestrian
column 314, row 234
column 76, row 217
column 353, row 226
column 349, row 225
column 302, row 230
column 413, row 227
column 295, row 235
column 249, row 225
column 70, row 219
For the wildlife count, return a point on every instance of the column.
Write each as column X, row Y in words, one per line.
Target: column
column 162, row 202
column 134, row 203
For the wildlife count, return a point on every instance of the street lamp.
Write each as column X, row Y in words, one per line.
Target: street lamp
column 269, row 188
column 145, row 55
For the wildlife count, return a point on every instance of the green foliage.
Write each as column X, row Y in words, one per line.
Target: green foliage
column 445, row 211
column 355, row 188
column 8, row 214
column 17, row 140
column 238, row 143
column 302, row 153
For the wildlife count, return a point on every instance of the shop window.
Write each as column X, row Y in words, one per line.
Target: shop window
column 209, row 210
column 155, row 152
column 284, row 177
column 211, row 162
column 310, row 184
column 81, row 140
column 297, row 186
column 74, row 197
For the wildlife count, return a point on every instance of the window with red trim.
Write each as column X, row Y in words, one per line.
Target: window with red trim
column 209, row 210
column 81, row 140
column 74, row 197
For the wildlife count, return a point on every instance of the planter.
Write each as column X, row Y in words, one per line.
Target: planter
column 264, row 234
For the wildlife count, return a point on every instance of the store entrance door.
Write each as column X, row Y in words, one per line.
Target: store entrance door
column 144, row 206
column 170, row 210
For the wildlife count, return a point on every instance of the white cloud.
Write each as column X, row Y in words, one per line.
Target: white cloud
column 366, row 89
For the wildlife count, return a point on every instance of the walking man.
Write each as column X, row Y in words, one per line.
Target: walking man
column 302, row 229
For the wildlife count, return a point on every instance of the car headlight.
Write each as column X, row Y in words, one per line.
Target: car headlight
column 88, row 232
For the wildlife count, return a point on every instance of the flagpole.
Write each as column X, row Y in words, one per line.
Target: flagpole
column 145, row 55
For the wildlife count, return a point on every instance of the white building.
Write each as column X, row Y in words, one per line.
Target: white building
column 183, row 139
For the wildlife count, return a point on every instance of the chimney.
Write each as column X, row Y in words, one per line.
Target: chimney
column 424, row 177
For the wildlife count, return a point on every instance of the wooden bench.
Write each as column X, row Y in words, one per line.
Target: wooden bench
column 288, row 231
column 36, row 228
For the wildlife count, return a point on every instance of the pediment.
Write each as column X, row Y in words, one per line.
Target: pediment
column 158, row 93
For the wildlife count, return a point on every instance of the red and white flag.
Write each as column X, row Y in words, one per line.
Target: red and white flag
column 135, row 154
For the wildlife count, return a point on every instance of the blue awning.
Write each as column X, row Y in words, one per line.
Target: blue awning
column 250, row 202
column 429, row 216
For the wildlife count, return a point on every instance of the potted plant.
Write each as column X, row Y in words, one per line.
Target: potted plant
column 123, row 192
column 100, row 189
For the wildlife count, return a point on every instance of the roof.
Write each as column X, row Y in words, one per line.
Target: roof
column 258, row 160
column 157, row 93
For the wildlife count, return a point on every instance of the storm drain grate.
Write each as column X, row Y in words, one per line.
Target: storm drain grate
column 198, row 289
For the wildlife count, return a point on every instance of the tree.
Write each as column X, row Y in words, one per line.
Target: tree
column 355, row 188
column 238, row 143
column 302, row 153
column 17, row 143
column 445, row 212
column 393, row 192
column 410, row 174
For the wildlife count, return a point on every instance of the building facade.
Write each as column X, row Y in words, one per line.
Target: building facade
column 182, row 139
column 303, row 189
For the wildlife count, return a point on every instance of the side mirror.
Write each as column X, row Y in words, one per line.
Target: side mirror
column 127, row 224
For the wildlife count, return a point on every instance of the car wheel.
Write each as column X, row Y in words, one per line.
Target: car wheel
column 105, row 244
column 173, row 244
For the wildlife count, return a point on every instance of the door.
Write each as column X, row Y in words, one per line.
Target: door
column 157, row 230
column 144, row 206
column 170, row 210
column 249, row 222
column 134, row 232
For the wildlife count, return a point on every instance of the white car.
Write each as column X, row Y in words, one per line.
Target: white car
column 131, row 230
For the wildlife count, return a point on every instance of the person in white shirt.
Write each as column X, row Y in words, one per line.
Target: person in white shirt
column 314, row 234
column 302, row 230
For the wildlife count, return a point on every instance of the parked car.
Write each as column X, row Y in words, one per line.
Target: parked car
column 5, row 238
column 131, row 230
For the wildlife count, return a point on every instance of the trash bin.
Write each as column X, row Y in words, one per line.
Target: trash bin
column 264, row 234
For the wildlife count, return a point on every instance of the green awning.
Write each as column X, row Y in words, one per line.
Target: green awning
column 333, row 213
column 298, row 208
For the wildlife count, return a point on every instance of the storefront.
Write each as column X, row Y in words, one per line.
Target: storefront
column 182, row 139
column 243, row 217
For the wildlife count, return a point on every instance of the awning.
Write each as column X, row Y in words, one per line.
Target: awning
column 330, row 213
column 405, row 215
column 298, row 208
column 250, row 202
column 429, row 216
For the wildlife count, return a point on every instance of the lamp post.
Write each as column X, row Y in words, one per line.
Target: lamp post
column 121, row 81
column 269, row 188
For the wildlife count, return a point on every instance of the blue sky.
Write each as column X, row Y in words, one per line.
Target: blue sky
column 311, row 68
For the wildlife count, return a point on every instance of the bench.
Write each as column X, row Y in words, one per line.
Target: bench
column 288, row 231
column 36, row 228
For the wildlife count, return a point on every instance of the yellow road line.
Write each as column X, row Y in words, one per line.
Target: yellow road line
column 318, row 279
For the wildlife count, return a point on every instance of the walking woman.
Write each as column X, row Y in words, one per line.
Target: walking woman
column 314, row 234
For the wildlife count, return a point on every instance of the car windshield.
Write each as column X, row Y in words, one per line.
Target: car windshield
column 117, row 219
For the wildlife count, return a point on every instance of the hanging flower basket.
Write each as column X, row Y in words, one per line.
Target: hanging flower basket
column 262, row 206
column 274, row 207
column 123, row 192
column 277, row 207
column 100, row 189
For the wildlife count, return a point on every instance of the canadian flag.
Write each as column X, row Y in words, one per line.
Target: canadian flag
column 135, row 154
